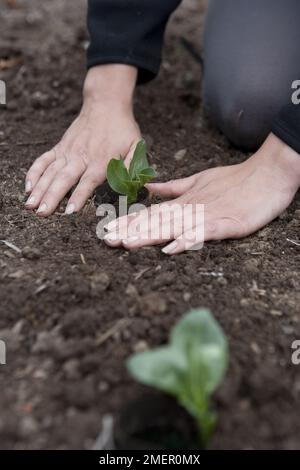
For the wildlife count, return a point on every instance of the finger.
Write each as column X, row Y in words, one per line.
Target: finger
column 173, row 188
column 85, row 188
column 43, row 184
column 193, row 238
column 218, row 229
column 37, row 169
column 122, row 222
column 160, row 225
column 61, row 184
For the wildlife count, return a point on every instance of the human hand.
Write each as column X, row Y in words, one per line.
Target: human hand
column 105, row 128
column 237, row 200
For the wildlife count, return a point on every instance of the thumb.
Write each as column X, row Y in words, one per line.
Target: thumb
column 173, row 188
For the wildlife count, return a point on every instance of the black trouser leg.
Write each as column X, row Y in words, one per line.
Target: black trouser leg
column 251, row 58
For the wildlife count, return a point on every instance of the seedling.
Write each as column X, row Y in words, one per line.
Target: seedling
column 129, row 182
column 190, row 367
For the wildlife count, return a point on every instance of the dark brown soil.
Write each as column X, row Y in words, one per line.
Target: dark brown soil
column 66, row 289
column 155, row 421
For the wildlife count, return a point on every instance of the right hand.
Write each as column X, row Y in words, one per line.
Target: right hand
column 105, row 129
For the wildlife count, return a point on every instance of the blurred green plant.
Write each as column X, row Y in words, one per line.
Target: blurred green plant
column 190, row 367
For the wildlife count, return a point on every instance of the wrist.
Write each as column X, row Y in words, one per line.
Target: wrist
column 110, row 83
column 280, row 156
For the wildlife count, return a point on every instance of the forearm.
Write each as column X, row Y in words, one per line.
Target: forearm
column 128, row 32
column 112, row 82
column 289, row 159
column 277, row 155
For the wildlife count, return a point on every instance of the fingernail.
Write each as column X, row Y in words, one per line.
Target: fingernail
column 28, row 186
column 70, row 209
column 170, row 248
column 112, row 236
column 130, row 240
column 111, row 226
column 30, row 201
column 42, row 208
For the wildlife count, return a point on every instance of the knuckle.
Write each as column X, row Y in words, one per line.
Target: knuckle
column 38, row 163
column 81, row 155
column 90, row 180
column 67, row 174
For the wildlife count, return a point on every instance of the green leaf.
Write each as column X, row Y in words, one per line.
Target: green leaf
column 163, row 368
column 130, row 182
column 147, row 175
column 118, row 177
column 139, row 160
column 203, row 341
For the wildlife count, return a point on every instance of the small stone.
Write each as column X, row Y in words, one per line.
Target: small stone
column 152, row 304
column 244, row 404
column 141, row 346
column 288, row 329
column 34, row 17
column 31, row 253
column 284, row 215
column 297, row 214
column 187, row 296
column 222, row 281
column 180, row 154
column 264, row 233
column 17, row 328
column 28, row 425
column 164, row 279
column 276, row 313
column 71, row 369
column 251, row 265
column 244, row 302
column 131, row 290
column 46, row 341
column 255, row 348
column 103, row 386
column 17, row 274
column 40, row 100
column 40, row 374
column 100, row 282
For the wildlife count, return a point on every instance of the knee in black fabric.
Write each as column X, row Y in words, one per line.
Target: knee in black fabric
column 246, row 119
column 244, row 115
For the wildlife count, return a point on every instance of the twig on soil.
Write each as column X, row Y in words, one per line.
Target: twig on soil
column 211, row 273
column 122, row 323
column 82, row 258
column 140, row 274
column 294, row 242
column 40, row 289
column 10, row 63
column 11, row 245
column 105, row 439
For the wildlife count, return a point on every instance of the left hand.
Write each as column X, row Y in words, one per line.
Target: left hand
column 237, row 200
